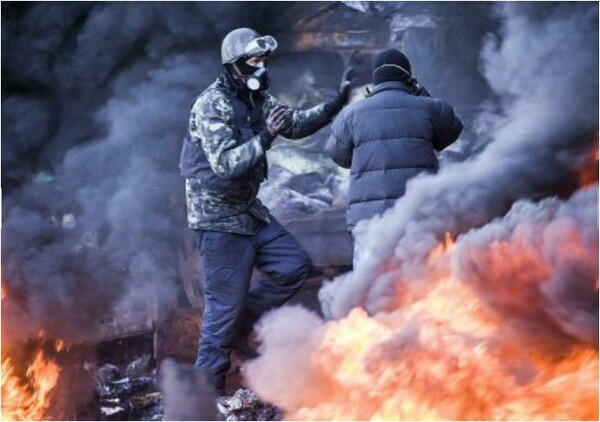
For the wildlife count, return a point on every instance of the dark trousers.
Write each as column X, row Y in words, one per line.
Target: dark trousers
column 231, row 305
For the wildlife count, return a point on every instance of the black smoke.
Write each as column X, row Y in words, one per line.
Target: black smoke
column 526, row 249
column 95, row 101
column 546, row 120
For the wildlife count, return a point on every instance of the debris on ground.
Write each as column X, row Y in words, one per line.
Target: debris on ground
column 244, row 405
column 128, row 392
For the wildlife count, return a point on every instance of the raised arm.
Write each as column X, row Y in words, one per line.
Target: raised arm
column 302, row 123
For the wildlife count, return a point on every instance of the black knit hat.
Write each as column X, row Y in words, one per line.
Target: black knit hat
column 391, row 65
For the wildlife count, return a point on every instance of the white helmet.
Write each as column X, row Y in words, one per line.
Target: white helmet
column 245, row 42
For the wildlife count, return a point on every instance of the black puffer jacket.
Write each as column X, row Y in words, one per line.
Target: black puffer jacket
column 386, row 139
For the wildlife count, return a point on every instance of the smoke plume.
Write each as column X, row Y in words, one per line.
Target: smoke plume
column 548, row 120
column 552, row 249
column 466, row 347
column 96, row 99
column 520, row 280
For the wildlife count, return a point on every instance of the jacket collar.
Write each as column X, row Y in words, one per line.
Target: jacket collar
column 223, row 82
column 249, row 97
column 385, row 86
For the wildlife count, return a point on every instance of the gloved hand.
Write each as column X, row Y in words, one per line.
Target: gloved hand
column 278, row 119
column 348, row 79
column 334, row 106
column 417, row 89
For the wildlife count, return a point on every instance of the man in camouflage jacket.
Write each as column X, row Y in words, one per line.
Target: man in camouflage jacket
column 232, row 125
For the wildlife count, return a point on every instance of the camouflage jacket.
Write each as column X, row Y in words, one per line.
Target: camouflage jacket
column 224, row 161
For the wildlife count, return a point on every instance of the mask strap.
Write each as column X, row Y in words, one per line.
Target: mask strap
column 238, row 71
column 392, row 65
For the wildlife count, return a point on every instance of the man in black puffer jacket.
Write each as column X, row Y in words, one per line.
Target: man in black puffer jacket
column 388, row 138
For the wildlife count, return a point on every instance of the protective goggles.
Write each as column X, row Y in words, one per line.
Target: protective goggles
column 260, row 46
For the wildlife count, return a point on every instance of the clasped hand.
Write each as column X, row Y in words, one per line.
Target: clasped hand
column 278, row 119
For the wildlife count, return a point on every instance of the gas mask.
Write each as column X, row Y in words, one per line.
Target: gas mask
column 255, row 78
column 259, row 80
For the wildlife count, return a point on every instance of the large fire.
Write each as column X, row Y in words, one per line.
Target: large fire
column 26, row 395
column 445, row 366
column 457, row 350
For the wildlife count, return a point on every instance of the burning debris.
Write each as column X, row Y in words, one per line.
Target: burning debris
column 28, row 397
column 30, row 374
column 491, row 333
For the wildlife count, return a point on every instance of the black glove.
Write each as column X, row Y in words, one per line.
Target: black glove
column 417, row 89
column 348, row 80
column 334, row 106
column 278, row 119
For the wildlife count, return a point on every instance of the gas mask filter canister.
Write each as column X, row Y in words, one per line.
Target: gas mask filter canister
column 258, row 79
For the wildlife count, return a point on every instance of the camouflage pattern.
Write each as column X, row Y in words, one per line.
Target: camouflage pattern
column 304, row 122
column 223, row 198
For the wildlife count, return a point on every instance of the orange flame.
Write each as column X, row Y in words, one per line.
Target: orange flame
column 443, row 354
column 587, row 170
column 29, row 400
column 28, row 397
column 444, row 248
column 445, row 366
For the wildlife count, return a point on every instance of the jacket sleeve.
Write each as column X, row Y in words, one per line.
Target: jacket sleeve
column 447, row 126
column 340, row 145
column 211, row 126
column 303, row 122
